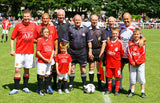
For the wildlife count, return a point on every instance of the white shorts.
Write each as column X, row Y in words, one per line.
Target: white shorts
column 43, row 69
column 24, row 60
column 4, row 31
column 137, row 74
column 53, row 62
column 63, row 76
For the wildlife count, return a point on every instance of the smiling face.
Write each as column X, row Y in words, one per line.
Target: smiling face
column 111, row 22
column 94, row 20
column 45, row 19
column 26, row 18
column 136, row 35
column 115, row 34
column 77, row 20
column 127, row 19
column 45, row 33
column 61, row 16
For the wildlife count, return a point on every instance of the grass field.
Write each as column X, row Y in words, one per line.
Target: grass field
column 77, row 96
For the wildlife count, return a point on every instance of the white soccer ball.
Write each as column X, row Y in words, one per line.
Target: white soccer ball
column 90, row 88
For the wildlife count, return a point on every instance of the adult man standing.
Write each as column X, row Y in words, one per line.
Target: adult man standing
column 62, row 27
column 5, row 24
column 78, row 37
column 98, row 46
column 126, row 32
column 24, row 33
column 54, row 36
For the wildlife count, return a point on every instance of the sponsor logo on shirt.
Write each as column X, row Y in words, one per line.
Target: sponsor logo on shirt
column 111, row 53
column 48, row 48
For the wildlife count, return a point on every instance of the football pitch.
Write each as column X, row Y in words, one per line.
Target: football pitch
column 152, row 74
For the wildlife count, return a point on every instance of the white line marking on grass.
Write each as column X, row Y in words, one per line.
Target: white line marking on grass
column 106, row 98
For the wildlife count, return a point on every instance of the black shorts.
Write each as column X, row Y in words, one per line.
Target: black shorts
column 124, row 60
column 95, row 53
column 78, row 56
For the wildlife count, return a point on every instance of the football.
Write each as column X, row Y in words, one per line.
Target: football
column 90, row 88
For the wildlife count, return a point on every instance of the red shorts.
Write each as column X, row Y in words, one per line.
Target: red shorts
column 116, row 72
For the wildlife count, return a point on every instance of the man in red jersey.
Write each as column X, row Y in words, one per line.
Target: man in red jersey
column 5, row 24
column 24, row 33
column 53, row 36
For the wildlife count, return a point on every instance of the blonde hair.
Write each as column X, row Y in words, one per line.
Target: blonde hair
column 42, row 29
column 63, row 45
column 115, row 29
column 137, row 30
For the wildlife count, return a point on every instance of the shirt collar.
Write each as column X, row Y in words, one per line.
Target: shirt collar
column 64, row 21
column 80, row 26
column 90, row 27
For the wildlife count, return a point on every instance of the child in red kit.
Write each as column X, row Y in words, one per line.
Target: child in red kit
column 113, row 57
column 45, row 52
column 136, row 56
column 63, row 67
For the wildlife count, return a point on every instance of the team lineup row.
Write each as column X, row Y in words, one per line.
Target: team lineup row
column 52, row 40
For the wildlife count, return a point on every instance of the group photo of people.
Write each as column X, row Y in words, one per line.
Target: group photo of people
column 60, row 46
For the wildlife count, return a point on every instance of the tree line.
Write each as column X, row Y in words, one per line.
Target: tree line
column 111, row 7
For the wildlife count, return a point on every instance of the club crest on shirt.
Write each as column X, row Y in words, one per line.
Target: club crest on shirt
column 50, row 43
column 116, row 49
column 32, row 28
column 42, row 72
column 135, row 48
column 83, row 34
column 66, row 56
column 16, row 64
column 51, row 31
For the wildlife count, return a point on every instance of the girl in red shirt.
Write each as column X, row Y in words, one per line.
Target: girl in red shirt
column 45, row 52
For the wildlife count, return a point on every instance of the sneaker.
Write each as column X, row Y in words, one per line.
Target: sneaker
column 41, row 92
column 14, row 91
column 107, row 92
column 116, row 93
column 50, row 88
column 70, row 88
column 26, row 90
column 130, row 94
column 143, row 95
column 48, row 91
column 59, row 91
column 66, row 91
column 84, row 89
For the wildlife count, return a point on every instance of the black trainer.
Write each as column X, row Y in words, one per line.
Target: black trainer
column 41, row 92
column 48, row 91
column 107, row 92
column 70, row 87
column 116, row 93
column 143, row 95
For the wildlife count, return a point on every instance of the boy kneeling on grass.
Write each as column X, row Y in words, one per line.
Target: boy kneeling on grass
column 137, row 60
column 114, row 51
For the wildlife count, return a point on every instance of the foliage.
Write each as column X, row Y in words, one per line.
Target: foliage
column 112, row 7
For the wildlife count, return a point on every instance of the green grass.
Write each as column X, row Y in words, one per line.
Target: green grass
column 77, row 96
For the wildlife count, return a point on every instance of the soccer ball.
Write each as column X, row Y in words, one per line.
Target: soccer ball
column 90, row 88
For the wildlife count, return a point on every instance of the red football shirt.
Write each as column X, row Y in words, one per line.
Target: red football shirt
column 135, row 53
column 114, row 51
column 6, row 24
column 52, row 35
column 45, row 47
column 63, row 60
column 24, row 34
